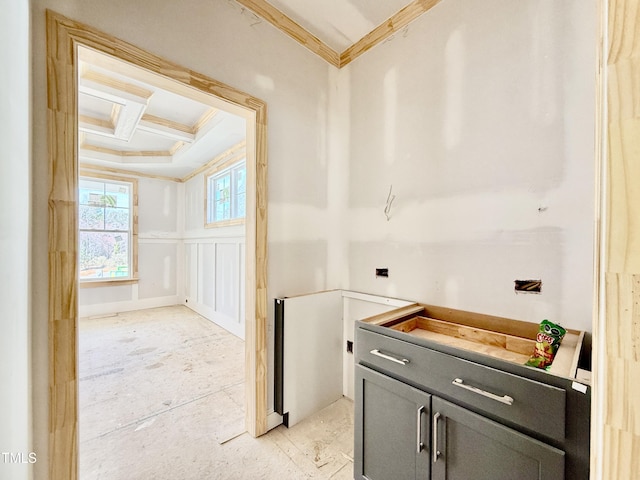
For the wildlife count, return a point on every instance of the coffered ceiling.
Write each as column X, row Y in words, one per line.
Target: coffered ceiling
column 134, row 121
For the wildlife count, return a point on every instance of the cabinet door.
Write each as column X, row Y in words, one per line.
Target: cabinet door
column 392, row 430
column 468, row 446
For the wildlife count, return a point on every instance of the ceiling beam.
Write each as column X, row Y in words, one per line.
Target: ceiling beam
column 87, row 169
column 127, row 156
column 166, row 128
column 204, row 119
column 232, row 154
column 115, row 84
column 129, row 104
column 89, row 124
column 164, row 82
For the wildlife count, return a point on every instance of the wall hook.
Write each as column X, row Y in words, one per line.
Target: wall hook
column 390, row 199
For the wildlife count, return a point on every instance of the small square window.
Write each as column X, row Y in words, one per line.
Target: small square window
column 226, row 194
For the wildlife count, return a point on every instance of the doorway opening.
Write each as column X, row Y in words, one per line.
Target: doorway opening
column 162, row 197
column 63, row 39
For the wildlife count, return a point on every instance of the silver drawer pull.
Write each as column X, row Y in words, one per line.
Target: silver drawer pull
column 378, row 353
column 507, row 400
column 436, row 452
column 419, row 443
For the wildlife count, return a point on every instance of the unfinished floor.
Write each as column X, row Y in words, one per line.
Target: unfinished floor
column 162, row 397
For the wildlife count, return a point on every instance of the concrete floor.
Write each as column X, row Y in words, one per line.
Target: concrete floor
column 162, row 397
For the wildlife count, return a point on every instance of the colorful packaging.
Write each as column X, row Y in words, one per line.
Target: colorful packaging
column 548, row 341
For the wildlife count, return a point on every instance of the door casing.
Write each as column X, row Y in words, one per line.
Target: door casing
column 63, row 37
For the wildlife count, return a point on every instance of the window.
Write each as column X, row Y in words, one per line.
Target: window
column 226, row 194
column 107, row 244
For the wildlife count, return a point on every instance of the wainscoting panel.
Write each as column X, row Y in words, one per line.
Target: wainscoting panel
column 214, row 280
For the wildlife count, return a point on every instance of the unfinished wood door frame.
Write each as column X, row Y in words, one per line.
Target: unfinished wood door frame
column 63, row 37
column 615, row 435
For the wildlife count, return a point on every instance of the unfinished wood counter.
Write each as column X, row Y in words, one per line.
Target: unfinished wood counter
column 498, row 337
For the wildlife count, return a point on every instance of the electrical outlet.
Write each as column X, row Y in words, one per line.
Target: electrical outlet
column 528, row 286
column 382, row 272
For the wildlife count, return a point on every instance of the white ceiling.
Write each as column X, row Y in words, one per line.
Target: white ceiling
column 339, row 23
column 131, row 119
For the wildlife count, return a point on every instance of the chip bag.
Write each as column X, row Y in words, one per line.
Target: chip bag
column 547, row 343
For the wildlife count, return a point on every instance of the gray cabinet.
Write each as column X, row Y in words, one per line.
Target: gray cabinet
column 393, row 429
column 488, row 418
column 403, row 433
column 469, row 446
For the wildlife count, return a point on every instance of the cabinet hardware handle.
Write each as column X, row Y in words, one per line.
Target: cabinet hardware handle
column 378, row 353
column 436, row 452
column 506, row 399
column 419, row 444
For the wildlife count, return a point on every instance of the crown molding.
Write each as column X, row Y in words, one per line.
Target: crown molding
column 285, row 24
column 379, row 34
column 386, row 29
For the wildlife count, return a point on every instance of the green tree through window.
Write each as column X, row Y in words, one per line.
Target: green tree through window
column 105, row 225
column 226, row 194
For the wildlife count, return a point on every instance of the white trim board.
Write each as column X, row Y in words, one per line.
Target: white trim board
column 126, row 306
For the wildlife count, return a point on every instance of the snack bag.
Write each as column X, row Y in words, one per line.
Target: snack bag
column 547, row 343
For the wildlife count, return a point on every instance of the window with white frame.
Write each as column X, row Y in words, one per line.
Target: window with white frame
column 226, row 194
column 106, row 224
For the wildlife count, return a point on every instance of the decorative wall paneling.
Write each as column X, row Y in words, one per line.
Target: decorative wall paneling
column 617, row 357
column 214, row 273
column 379, row 34
column 63, row 36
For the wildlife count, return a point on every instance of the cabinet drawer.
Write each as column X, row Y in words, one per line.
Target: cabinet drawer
column 514, row 399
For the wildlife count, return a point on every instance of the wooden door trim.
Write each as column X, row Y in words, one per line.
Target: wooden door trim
column 63, row 37
column 615, row 437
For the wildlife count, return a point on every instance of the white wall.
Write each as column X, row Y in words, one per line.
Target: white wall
column 159, row 249
column 481, row 116
column 224, row 41
column 214, row 266
column 15, row 219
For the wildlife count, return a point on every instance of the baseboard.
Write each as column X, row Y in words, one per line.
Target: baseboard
column 273, row 420
column 126, row 306
column 235, row 328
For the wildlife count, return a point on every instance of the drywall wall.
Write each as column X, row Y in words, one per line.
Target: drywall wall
column 226, row 42
column 159, row 247
column 15, row 217
column 481, row 117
